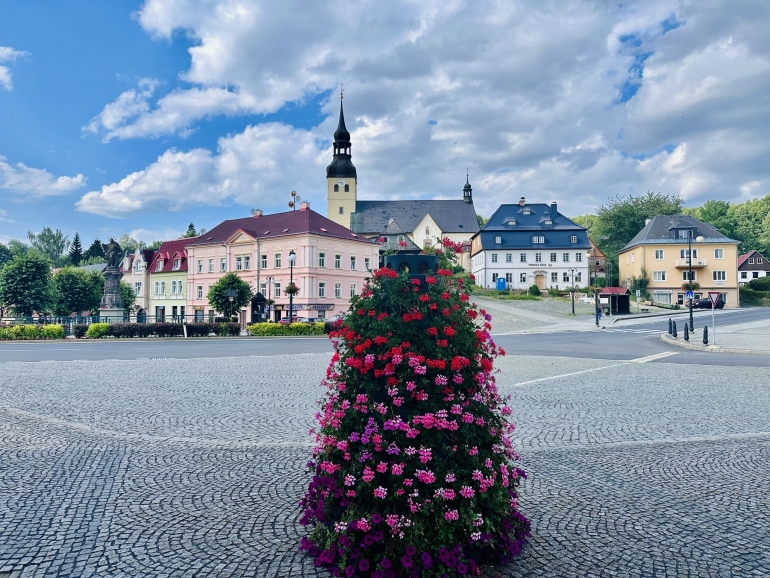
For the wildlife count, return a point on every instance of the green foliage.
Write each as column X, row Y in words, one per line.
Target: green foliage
column 52, row 244
column 53, row 331
column 750, row 296
column 534, row 290
column 24, row 284
column 130, row 244
column 17, row 247
column 155, row 245
column 128, row 296
column 280, row 330
column 94, row 252
column 191, row 232
column 220, row 302
column 641, row 283
column 79, row 330
column 74, row 291
column 600, row 282
column 761, row 284
column 587, row 221
column 227, row 329
column 98, row 330
column 199, row 329
column 5, row 255
column 29, row 332
column 76, row 251
column 522, row 296
column 481, row 220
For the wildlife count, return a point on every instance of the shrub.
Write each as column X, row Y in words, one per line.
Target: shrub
column 266, row 329
column 751, row 297
column 54, row 332
column 98, row 330
column 523, row 297
column 413, row 368
column 534, row 290
column 199, row 329
column 227, row 329
column 306, row 329
column 167, row 329
column 79, row 330
column 761, row 284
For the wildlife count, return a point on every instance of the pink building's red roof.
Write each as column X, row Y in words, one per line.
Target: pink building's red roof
column 168, row 251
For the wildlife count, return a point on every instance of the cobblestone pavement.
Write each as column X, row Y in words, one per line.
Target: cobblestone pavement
column 195, row 467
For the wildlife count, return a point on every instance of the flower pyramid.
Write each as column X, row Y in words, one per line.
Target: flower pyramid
column 414, row 470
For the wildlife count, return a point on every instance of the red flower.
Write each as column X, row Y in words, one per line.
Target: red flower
column 424, row 297
column 432, row 331
column 448, row 331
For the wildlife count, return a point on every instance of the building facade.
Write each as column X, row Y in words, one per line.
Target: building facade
column 168, row 281
column 531, row 244
column 752, row 265
column 661, row 250
column 135, row 270
column 331, row 263
column 425, row 222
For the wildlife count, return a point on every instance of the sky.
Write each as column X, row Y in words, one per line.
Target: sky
column 141, row 117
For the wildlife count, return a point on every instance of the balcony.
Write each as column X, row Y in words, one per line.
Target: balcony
column 685, row 263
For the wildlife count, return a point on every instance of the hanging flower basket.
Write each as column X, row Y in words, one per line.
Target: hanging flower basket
column 291, row 290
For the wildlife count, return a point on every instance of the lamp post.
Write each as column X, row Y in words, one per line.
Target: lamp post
column 292, row 258
column 689, row 267
column 230, row 294
column 596, row 293
column 572, row 271
column 270, row 299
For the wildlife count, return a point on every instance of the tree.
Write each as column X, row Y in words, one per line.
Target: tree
column 221, row 302
column 587, row 221
column 129, row 244
column 52, row 244
column 190, row 231
column 155, row 245
column 94, row 251
column 128, row 296
column 5, row 255
column 482, row 221
column 17, row 247
column 76, row 250
column 25, row 284
column 74, row 291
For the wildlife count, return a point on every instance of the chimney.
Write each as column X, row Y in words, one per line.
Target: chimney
column 522, row 202
column 256, row 213
column 304, row 205
column 554, row 212
column 647, row 221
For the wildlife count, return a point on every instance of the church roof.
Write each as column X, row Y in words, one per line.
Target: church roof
column 454, row 216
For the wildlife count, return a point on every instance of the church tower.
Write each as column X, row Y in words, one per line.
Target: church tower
column 341, row 178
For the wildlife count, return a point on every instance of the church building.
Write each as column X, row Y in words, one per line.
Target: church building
column 422, row 221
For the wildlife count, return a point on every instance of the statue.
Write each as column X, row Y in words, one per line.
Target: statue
column 112, row 304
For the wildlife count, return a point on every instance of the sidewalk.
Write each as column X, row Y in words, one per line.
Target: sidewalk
column 752, row 337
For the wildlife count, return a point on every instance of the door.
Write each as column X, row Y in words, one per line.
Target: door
column 540, row 281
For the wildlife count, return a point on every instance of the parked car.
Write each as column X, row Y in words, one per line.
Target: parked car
column 330, row 323
column 314, row 320
column 706, row 304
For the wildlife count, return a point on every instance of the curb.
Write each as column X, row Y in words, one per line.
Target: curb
column 709, row 348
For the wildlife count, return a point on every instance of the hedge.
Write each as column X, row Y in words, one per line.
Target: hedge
column 279, row 330
column 761, row 284
column 97, row 330
column 29, row 332
column 752, row 297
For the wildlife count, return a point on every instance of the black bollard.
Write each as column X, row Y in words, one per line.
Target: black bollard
column 706, row 335
column 686, row 333
column 670, row 330
column 674, row 330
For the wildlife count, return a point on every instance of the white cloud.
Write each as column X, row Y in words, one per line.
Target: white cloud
column 24, row 180
column 4, row 217
column 574, row 104
column 8, row 54
column 150, row 236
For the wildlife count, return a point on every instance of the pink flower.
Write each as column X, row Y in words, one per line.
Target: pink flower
column 408, row 481
column 382, row 467
column 452, row 515
column 467, row 492
column 380, row 492
column 410, row 385
column 450, row 478
column 397, row 469
column 368, row 475
column 488, row 463
column 473, row 451
column 441, row 380
column 349, row 480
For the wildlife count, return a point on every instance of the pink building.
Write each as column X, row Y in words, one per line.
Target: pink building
column 331, row 263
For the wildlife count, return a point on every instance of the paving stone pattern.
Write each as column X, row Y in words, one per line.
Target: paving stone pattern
column 195, row 467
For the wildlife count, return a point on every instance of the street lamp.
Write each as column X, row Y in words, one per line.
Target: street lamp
column 698, row 239
column 292, row 258
column 596, row 292
column 230, row 294
column 572, row 271
column 269, row 281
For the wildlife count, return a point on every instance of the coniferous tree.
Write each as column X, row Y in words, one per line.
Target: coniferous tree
column 76, row 250
column 191, row 232
column 94, row 251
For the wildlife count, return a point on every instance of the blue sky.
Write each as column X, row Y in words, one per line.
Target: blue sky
column 129, row 116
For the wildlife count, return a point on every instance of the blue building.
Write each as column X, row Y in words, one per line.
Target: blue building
column 531, row 244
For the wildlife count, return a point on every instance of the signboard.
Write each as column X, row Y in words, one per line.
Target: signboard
column 688, row 295
column 714, row 296
column 638, row 293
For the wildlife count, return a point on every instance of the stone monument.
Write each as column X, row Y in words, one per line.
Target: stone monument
column 112, row 304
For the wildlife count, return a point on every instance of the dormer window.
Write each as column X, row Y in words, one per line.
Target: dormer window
column 538, row 239
column 510, row 222
column 548, row 222
column 573, row 239
column 159, row 266
column 526, row 212
column 177, row 264
column 498, row 239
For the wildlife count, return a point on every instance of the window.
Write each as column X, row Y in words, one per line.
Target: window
column 263, row 261
column 538, row 257
column 173, row 287
column 523, row 257
column 522, row 277
column 719, row 275
column 337, row 290
column 553, row 257
column 277, row 290
column 579, row 257
column 509, row 277
column 494, row 257
column 322, row 259
column 157, row 288
column 347, row 188
column 211, row 265
column 367, row 264
column 683, row 234
column 342, row 211
column 337, row 189
column 322, row 289
column 578, row 277
column 658, row 254
column 719, row 253
column 223, row 264
column 177, row 264
column 751, row 260
column 263, row 288
column 526, row 212
column 755, row 275
column 632, row 257
column 247, row 262
column 494, row 277
column 744, row 275
column 199, row 292
column 352, row 263
column 573, row 239
column 352, row 289
column 683, row 253
column 686, row 275
column 565, row 277
column 554, row 277
column 538, row 239
column 162, row 287
column 277, row 260
column 159, row 265
column 565, row 257
column 139, row 267
column 239, row 263
column 138, row 288
column 338, row 261
column 498, row 239
column 759, row 260
column 200, row 265
column 509, row 257
column 658, row 275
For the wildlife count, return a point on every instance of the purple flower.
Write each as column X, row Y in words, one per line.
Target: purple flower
column 406, row 562
column 376, row 518
column 350, row 571
column 385, row 563
column 369, row 540
column 427, row 561
column 411, row 551
column 355, row 553
column 363, row 565
column 462, row 568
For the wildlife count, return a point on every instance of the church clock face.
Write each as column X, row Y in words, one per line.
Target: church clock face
column 341, row 182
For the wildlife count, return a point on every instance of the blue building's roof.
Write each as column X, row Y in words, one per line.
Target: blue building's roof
column 517, row 224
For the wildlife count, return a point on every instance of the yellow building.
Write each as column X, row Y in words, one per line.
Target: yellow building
column 661, row 249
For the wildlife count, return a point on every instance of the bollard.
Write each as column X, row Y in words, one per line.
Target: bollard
column 706, row 335
column 673, row 332
column 686, row 333
column 670, row 331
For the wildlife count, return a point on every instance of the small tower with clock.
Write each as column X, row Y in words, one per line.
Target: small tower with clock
column 341, row 178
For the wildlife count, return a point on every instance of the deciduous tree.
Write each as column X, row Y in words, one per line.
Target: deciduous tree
column 221, row 302
column 25, row 284
column 74, row 291
column 52, row 244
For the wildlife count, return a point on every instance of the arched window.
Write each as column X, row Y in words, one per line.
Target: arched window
column 427, row 231
column 336, row 188
column 347, row 188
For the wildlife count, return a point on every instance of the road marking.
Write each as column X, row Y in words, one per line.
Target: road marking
column 569, row 374
column 654, row 357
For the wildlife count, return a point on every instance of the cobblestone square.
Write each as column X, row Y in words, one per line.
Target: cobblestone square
column 175, row 467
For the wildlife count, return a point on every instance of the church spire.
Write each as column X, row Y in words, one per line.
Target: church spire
column 467, row 190
column 341, row 166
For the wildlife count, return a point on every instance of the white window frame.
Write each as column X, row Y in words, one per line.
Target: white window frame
column 138, row 288
column 565, row 257
column 222, row 264
column 538, row 257
column 719, row 275
column 509, row 257
column 554, row 276
column 660, row 255
column 277, row 290
column 494, row 257
column 247, row 262
column 553, row 257
column 522, row 257
column 685, row 276
column 367, row 264
column 177, row 264
column 498, row 240
column 352, row 262
column 683, row 253
column 159, row 265
column 200, row 265
column 659, row 275
column 578, row 257
column 338, row 290
column 322, row 260
column 573, row 239
column 353, row 289
column 522, row 277
column 263, row 260
column 338, row 261
column 239, row 263
column 211, row 265
column 199, row 292
column 719, row 253
column 277, row 260
column 322, row 289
